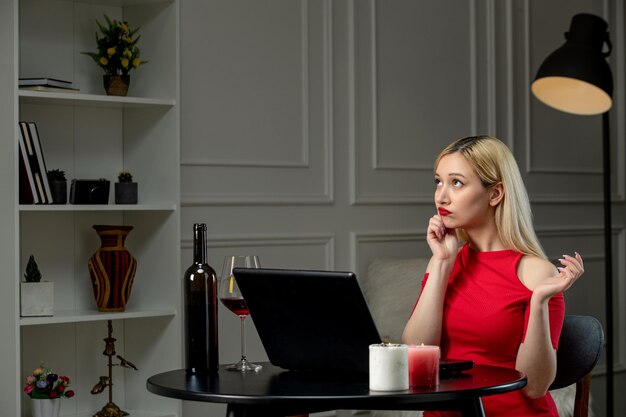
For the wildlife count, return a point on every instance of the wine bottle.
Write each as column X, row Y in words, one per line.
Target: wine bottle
column 200, row 293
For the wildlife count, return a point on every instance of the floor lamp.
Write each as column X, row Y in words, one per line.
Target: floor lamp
column 576, row 78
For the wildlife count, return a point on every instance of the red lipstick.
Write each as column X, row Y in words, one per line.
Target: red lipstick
column 443, row 211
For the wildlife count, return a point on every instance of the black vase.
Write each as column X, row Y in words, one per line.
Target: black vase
column 59, row 191
column 126, row 193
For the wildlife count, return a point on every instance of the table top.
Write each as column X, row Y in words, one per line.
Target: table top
column 277, row 387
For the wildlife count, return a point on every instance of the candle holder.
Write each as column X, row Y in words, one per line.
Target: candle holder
column 110, row 409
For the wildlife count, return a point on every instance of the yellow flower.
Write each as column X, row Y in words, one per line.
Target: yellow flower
column 124, row 26
column 128, row 53
column 124, row 62
column 111, row 51
column 103, row 60
column 136, row 62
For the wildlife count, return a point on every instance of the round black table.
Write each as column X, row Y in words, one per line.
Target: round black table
column 274, row 391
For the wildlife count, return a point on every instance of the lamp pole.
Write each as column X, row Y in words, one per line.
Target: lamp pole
column 608, row 261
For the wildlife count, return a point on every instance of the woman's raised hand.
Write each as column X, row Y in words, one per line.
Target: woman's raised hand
column 443, row 242
column 572, row 268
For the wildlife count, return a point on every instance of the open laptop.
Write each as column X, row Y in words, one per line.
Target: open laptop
column 309, row 320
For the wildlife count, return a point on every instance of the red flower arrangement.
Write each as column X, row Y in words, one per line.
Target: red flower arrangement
column 44, row 384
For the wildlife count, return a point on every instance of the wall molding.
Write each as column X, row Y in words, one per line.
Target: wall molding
column 510, row 77
column 326, row 195
column 303, row 162
column 325, row 198
column 239, row 240
column 375, row 133
column 492, row 102
column 541, row 198
column 358, row 197
column 381, row 236
column 273, row 240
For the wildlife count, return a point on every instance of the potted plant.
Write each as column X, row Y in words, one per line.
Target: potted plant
column 36, row 296
column 125, row 189
column 58, row 186
column 117, row 54
column 46, row 388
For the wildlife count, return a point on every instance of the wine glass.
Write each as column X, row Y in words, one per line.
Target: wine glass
column 233, row 300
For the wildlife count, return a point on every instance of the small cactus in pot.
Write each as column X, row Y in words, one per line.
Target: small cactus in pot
column 125, row 189
column 58, row 186
column 36, row 296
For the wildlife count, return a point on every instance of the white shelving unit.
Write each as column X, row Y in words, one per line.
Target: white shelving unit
column 91, row 135
column 89, row 207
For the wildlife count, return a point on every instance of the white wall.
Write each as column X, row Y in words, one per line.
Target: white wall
column 309, row 129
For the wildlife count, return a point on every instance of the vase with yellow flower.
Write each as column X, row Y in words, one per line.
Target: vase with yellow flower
column 117, row 54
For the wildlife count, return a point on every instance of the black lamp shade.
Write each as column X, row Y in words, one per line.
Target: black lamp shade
column 576, row 78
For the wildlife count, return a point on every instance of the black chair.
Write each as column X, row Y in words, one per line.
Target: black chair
column 580, row 346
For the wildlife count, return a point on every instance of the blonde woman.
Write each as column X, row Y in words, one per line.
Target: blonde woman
column 489, row 293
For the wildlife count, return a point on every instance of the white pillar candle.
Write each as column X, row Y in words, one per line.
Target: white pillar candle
column 389, row 367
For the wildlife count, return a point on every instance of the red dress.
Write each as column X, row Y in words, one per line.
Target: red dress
column 485, row 316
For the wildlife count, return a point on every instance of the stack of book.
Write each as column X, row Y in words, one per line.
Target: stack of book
column 33, row 181
column 47, row 84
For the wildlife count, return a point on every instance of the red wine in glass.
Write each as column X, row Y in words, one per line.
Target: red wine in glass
column 236, row 305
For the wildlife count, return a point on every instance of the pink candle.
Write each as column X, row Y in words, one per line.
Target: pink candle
column 423, row 365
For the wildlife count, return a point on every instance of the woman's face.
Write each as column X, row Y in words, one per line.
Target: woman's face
column 460, row 197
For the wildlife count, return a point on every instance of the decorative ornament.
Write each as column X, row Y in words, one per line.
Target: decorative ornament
column 110, row 409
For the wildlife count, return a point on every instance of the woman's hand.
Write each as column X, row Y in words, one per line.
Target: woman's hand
column 442, row 241
column 571, row 270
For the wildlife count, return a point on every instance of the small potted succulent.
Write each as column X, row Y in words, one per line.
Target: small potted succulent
column 36, row 296
column 58, row 186
column 125, row 189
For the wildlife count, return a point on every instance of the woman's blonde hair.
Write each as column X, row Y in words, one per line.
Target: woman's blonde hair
column 494, row 163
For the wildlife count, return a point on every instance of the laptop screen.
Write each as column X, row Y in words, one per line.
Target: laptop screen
column 309, row 320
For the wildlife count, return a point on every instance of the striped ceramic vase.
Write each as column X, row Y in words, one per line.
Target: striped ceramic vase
column 112, row 268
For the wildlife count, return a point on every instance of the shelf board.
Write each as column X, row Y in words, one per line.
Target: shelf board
column 95, row 100
column 77, row 316
column 121, row 3
column 98, row 207
column 133, row 413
